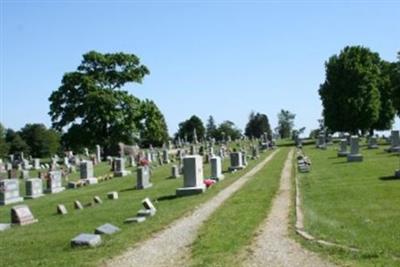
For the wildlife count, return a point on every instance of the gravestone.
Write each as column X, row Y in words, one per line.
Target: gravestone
column 136, row 219
column 61, row 209
column 193, row 150
column 321, row 144
column 149, row 209
column 25, row 174
column 143, row 177
column 86, row 171
column 175, row 171
column 88, row 240
column 97, row 200
column 354, row 150
column 106, row 229
column 255, row 152
column 149, row 156
column 22, row 215
column 192, row 176
column 165, row 156
column 343, row 148
column 394, row 142
column 33, row 188
column 373, row 143
column 5, row 226
column 236, row 161
column 119, row 168
column 98, row 153
column 397, row 174
column 78, row 205
column 216, row 168
column 244, row 158
column 112, row 195
column 54, row 183
column 9, row 192
column 36, row 164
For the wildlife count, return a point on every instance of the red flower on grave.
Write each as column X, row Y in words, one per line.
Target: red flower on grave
column 143, row 162
column 209, row 182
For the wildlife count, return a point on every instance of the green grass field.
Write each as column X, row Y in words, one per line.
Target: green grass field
column 47, row 243
column 354, row 204
column 232, row 227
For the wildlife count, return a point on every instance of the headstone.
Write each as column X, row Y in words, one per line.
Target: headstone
column 119, row 168
column 354, row 150
column 255, row 152
column 22, row 215
column 143, row 178
column 193, row 150
column 175, row 171
column 86, row 171
column 373, row 143
column 33, row 188
column 112, row 195
column 321, row 141
column 12, row 174
column 244, row 158
column 9, row 192
column 54, row 183
column 192, row 176
column 36, row 164
column 165, row 156
column 147, row 204
column 342, row 148
column 106, row 229
column 78, row 205
column 61, row 209
column 98, row 153
column 394, row 142
column 97, row 200
column 148, row 156
column 137, row 219
column 4, row 226
column 236, row 161
column 216, row 168
column 397, row 174
column 25, row 174
column 89, row 240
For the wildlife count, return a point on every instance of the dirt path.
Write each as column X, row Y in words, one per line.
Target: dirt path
column 170, row 247
column 273, row 246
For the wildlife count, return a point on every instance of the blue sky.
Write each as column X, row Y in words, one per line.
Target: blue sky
column 220, row 58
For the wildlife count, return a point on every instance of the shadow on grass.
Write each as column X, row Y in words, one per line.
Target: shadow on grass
column 127, row 189
column 389, row 178
column 170, row 197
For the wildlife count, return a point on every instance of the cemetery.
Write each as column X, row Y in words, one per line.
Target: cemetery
column 199, row 133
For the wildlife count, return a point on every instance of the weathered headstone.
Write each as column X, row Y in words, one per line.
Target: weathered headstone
column 54, row 182
column 97, row 200
column 106, row 229
column 216, row 168
column 321, row 142
column 98, row 153
column 165, row 156
column 61, row 209
column 33, row 188
column 255, row 152
column 9, row 192
column 354, row 150
column 136, row 219
column 343, row 148
column 373, row 143
column 86, row 171
column 192, row 176
column 244, row 158
column 143, row 177
column 112, row 195
column 89, row 240
column 36, row 164
column 119, row 166
column 236, row 161
column 22, row 215
column 394, row 142
column 78, row 205
column 175, row 171
column 25, row 174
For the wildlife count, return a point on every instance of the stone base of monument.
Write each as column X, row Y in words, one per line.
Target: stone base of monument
column 397, row 174
column 354, row 157
column 188, row 191
column 122, row 173
column 4, row 226
column 88, row 240
column 146, row 213
column 144, row 186
column 393, row 149
column 373, row 146
column 55, row 190
column 90, row 180
column 342, row 153
column 106, row 229
column 236, row 168
column 137, row 219
column 34, row 196
column 220, row 178
column 11, row 200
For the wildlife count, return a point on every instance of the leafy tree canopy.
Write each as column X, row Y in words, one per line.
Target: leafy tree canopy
column 285, row 123
column 258, row 124
column 153, row 128
column 42, row 142
column 186, row 129
column 3, row 144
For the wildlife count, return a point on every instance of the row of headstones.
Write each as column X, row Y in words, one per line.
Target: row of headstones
column 93, row 240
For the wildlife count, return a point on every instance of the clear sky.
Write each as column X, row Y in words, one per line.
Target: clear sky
column 220, row 58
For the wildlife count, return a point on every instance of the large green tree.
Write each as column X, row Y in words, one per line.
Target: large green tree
column 285, row 123
column 227, row 128
column 396, row 84
column 211, row 127
column 3, row 144
column 186, row 129
column 153, row 128
column 258, row 124
column 42, row 142
column 16, row 143
column 90, row 105
column 350, row 94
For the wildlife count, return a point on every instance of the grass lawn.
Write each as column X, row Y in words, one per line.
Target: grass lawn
column 355, row 204
column 47, row 243
column 232, row 227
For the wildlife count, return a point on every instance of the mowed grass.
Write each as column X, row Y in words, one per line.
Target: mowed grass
column 232, row 226
column 47, row 243
column 354, row 204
